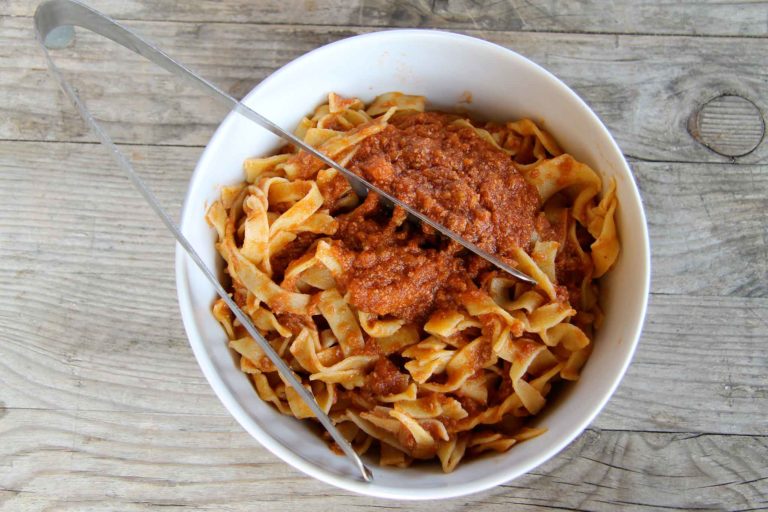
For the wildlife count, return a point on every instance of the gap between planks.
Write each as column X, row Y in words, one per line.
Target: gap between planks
column 629, row 158
column 224, row 414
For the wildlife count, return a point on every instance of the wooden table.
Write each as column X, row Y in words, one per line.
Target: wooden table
column 102, row 405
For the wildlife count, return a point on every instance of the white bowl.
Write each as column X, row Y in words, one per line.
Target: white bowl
column 446, row 68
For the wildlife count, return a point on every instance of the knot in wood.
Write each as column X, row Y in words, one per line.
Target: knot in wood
column 728, row 124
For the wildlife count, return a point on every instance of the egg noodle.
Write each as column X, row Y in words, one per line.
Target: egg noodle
column 414, row 348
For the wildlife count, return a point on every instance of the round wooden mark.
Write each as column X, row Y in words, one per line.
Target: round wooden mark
column 729, row 125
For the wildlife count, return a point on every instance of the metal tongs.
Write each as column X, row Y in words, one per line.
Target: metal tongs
column 54, row 20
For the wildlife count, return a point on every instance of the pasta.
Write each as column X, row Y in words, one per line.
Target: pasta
column 415, row 348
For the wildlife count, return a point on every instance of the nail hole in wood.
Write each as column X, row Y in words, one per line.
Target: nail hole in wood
column 729, row 125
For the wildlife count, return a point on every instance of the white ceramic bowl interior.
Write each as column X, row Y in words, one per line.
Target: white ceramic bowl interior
column 445, row 68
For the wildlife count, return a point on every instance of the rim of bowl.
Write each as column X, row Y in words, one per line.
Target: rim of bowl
column 347, row 482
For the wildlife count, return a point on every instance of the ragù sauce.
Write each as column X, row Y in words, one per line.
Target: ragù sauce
column 452, row 175
column 448, row 172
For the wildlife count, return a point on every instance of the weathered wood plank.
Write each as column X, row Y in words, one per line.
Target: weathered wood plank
column 78, row 261
column 699, row 362
column 645, row 88
column 127, row 461
column 708, row 223
column 708, row 226
column 710, row 17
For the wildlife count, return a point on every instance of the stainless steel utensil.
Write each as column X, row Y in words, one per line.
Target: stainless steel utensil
column 54, row 20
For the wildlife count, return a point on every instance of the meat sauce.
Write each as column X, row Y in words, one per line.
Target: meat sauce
column 448, row 172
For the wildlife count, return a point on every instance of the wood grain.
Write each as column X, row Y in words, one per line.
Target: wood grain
column 85, row 460
column 112, row 265
column 102, row 405
column 709, row 227
column 644, row 88
column 699, row 367
column 702, row 18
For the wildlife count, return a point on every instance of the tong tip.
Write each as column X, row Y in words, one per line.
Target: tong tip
column 367, row 473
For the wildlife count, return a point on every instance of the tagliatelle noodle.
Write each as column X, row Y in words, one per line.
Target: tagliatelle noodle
column 415, row 349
